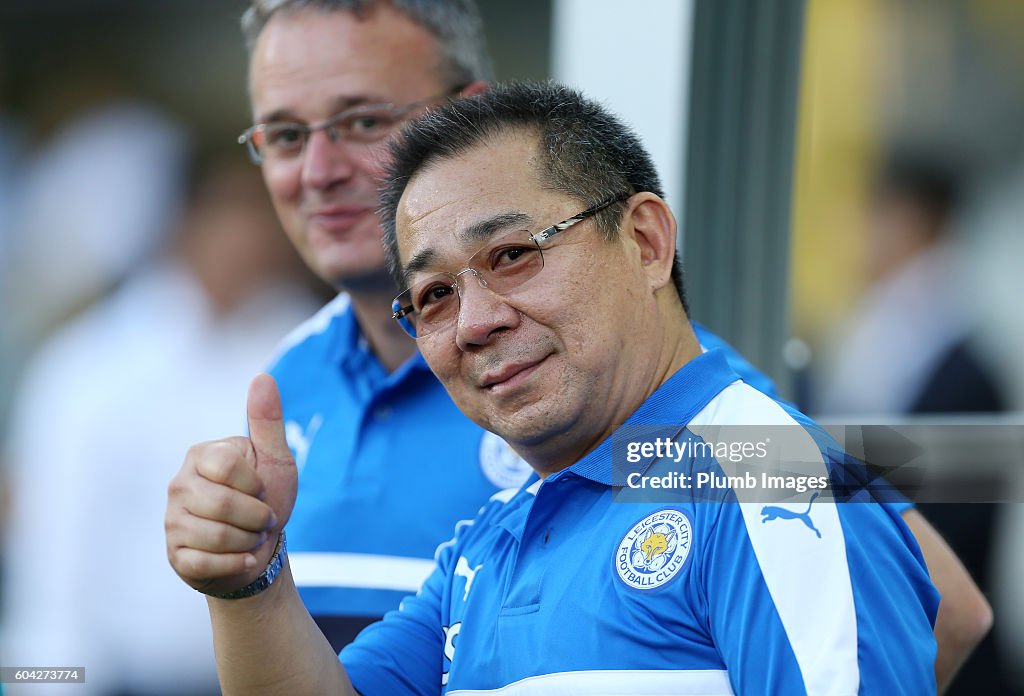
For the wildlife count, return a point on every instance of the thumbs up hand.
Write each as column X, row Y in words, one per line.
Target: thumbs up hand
column 231, row 498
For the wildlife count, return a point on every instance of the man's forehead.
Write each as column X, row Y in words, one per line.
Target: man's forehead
column 490, row 177
column 455, row 204
column 311, row 57
column 501, row 168
column 445, row 228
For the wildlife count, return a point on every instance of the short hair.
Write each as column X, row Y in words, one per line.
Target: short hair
column 455, row 24
column 585, row 151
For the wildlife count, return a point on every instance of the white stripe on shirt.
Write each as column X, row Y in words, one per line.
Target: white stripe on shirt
column 625, row 682
column 360, row 570
column 814, row 596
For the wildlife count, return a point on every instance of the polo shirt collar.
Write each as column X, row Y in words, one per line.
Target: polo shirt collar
column 351, row 351
column 674, row 403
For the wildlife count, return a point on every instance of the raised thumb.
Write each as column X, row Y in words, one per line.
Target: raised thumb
column 266, row 423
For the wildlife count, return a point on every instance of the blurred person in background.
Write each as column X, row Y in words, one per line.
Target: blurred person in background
column 65, row 240
column 71, row 239
column 912, row 331
column 329, row 82
column 165, row 356
column 998, row 253
column 910, row 348
column 81, row 202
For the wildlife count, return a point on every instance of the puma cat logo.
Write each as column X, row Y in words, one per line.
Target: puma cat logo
column 300, row 439
column 462, row 569
column 774, row 512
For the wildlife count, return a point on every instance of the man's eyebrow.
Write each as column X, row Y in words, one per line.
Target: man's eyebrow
column 417, row 263
column 485, row 229
column 477, row 233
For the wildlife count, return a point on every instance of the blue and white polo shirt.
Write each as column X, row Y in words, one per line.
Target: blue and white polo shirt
column 555, row 588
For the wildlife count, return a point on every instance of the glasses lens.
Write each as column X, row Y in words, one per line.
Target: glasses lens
column 367, row 124
column 279, row 139
column 433, row 304
column 509, row 261
column 427, row 306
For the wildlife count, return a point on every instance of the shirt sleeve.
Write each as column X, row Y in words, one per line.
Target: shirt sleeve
column 760, row 381
column 740, row 365
column 834, row 602
column 403, row 653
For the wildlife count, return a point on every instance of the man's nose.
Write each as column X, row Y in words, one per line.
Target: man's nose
column 326, row 160
column 482, row 312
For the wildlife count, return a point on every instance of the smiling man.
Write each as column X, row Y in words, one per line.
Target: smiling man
column 374, row 434
column 543, row 289
column 572, row 373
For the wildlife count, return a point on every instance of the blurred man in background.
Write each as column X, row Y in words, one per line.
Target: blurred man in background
column 912, row 333
column 910, row 348
column 162, row 358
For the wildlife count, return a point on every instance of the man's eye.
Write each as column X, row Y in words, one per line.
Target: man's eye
column 509, row 256
column 284, row 136
column 434, row 295
column 369, row 125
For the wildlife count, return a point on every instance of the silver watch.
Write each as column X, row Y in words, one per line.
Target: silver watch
column 265, row 579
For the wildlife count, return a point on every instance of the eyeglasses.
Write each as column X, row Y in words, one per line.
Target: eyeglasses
column 365, row 125
column 500, row 266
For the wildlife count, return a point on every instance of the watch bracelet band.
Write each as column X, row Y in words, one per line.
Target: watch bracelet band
column 265, row 579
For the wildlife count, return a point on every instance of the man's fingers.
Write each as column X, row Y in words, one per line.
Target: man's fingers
column 218, row 503
column 230, row 462
column 266, row 424
column 228, row 501
column 202, row 568
column 215, row 537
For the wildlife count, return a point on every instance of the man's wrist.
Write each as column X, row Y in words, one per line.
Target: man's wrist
column 265, row 579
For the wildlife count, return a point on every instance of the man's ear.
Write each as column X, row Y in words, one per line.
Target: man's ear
column 654, row 230
column 475, row 87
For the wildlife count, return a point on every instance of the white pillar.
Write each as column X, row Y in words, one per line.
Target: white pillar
column 633, row 57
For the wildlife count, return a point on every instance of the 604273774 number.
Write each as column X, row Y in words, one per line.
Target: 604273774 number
column 42, row 675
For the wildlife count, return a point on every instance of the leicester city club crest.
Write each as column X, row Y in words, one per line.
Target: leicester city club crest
column 654, row 550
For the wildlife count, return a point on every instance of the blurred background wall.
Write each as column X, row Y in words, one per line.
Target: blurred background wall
column 776, row 125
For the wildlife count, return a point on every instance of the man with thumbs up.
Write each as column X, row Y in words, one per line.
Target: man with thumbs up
column 374, row 434
column 372, row 430
column 552, row 342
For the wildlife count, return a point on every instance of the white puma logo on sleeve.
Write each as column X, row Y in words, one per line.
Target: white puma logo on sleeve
column 462, row 569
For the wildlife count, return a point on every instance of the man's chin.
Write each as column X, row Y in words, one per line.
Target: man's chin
column 526, row 427
column 346, row 274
